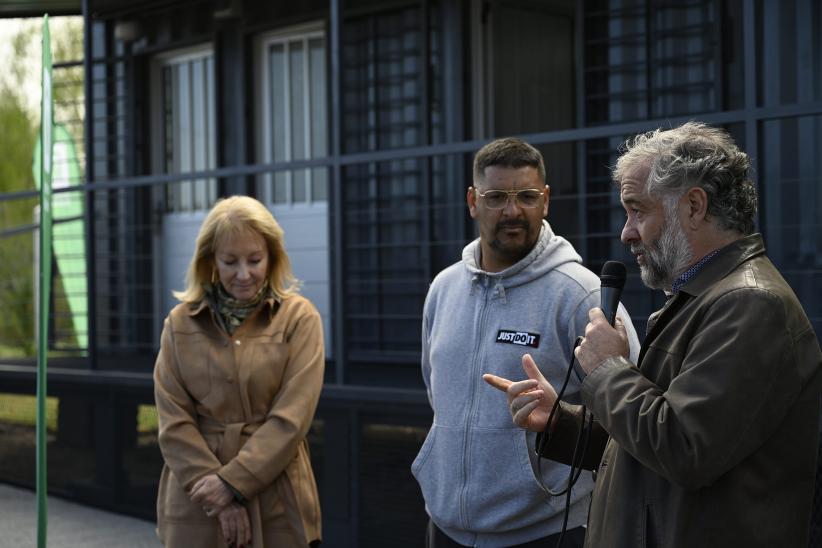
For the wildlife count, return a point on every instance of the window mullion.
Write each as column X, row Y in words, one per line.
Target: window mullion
column 287, row 117
column 307, row 115
column 192, row 142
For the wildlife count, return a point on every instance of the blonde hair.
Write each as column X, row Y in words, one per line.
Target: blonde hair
column 228, row 218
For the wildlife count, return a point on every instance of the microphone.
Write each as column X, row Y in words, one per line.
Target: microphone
column 612, row 281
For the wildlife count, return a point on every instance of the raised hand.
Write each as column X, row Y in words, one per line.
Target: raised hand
column 530, row 400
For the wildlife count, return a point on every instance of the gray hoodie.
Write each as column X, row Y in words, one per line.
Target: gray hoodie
column 477, row 470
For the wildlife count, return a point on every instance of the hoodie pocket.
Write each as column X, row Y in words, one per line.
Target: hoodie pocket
column 425, row 450
column 502, row 493
column 438, row 469
column 489, row 489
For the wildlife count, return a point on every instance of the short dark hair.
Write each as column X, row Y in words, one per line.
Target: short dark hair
column 508, row 152
column 695, row 154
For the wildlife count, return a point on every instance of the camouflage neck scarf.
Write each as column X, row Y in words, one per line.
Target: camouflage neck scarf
column 231, row 312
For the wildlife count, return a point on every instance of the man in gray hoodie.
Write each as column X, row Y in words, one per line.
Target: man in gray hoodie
column 518, row 289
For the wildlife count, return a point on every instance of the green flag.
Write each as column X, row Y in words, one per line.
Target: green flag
column 68, row 230
column 44, row 293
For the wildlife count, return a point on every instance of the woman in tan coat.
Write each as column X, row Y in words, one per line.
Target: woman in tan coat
column 237, row 381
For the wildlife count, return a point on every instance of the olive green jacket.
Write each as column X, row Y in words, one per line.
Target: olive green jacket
column 239, row 406
column 713, row 438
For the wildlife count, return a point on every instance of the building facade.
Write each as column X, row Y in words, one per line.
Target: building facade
column 355, row 122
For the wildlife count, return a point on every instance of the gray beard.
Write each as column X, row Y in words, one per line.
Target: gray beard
column 666, row 258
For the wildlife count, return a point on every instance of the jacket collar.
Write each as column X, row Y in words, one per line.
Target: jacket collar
column 271, row 302
column 728, row 258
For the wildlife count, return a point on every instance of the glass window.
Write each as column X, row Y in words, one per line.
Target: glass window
column 187, row 100
column 393, row 208
column 650, row 59
column 384, row 76
column 791, row 189
column 790, row 51
column 790, row 198
column 293, row 126
column 319, row 145
column 523, row 65
column 295, row 121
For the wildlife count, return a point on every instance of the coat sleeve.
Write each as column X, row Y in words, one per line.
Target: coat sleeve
column 737, row 381
column 561, row 443
column 273, row 446
column 183, row 447
column 576, row 328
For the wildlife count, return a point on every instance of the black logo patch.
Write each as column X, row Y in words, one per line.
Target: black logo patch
column 520, row 338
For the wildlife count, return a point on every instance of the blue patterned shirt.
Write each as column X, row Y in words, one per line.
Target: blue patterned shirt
column 692, row 271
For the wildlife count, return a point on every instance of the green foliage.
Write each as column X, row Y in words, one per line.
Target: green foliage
column 23, row 43
column 16, row 252
column 17, row 143
column 147, row 421
column 17, row 296
column 17, row 140
column 67, row 39
column 21, row 409
column 69, row 108
column 17, row 409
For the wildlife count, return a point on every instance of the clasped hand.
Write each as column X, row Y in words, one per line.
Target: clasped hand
column 216, row 498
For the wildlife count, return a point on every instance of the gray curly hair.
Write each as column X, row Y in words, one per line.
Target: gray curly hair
column 695, row 154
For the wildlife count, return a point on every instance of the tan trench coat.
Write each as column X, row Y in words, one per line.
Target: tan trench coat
column 239, row 406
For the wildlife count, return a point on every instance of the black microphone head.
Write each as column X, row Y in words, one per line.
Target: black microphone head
column 613, row 274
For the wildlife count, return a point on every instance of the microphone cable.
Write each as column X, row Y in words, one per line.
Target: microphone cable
column 612, row 281
column 580, row 447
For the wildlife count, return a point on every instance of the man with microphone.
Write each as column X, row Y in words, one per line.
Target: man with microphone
column 709, row 439
column 519, row 287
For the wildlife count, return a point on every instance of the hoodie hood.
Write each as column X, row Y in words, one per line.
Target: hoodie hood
column 548, row 253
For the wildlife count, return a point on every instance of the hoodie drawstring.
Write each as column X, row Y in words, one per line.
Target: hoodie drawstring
column 500, row 289
column 475, row 280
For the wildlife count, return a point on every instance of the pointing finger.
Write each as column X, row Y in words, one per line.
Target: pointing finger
column 497, row 382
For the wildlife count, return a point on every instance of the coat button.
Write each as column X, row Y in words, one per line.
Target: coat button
column 237, row 342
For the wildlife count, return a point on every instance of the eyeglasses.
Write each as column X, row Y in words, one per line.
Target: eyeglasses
column 498, row 199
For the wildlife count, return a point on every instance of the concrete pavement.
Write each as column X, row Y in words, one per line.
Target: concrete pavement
column 70, row 525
